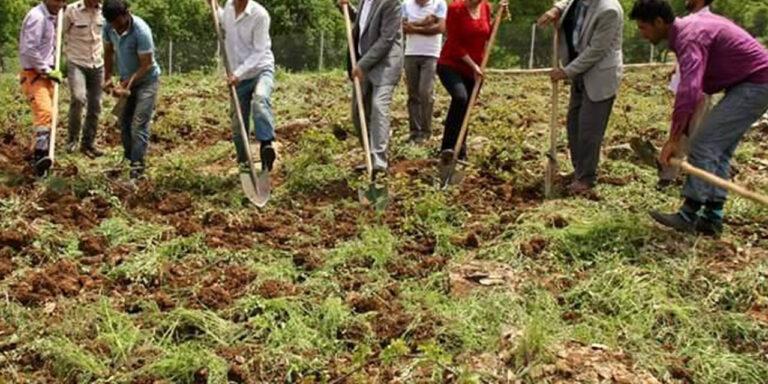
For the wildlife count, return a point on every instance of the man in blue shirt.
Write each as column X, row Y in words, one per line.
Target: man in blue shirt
column 131, row 38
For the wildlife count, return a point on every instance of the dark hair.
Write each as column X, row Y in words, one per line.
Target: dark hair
column 649, row 10
column 112, row 9
column 708, row 2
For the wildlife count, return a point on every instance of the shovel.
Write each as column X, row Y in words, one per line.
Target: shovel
column 649, row 155
column 122, row 99
column 256, row 185
column 552, row 165
column 376, row 195
column 449, row 175
column 47, row 163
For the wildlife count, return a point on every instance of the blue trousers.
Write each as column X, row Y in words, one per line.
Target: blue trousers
column 715, row 142
column 255, row 97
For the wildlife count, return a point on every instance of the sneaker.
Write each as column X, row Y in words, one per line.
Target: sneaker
column 709, row 228
column 91, row 151
column 268, row 157
column 71, row 147
column 675, row 221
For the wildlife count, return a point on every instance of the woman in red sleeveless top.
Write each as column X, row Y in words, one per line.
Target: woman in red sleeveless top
column 468, row 27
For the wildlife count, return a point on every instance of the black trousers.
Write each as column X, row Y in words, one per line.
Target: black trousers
column 460, row 88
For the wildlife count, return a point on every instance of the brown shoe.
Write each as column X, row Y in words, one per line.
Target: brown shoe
column 578, row 188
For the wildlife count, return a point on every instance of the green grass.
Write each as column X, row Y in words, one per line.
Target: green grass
column 604, row 274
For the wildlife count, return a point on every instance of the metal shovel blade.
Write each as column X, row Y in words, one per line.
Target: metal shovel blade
column 646, row 151
column 551, row 171
column 117, row 110
column 249, row 189
column 263, row 188
column 376, row 196
column 450, row 174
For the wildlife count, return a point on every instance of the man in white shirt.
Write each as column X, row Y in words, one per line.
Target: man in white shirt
column 83, row 24
column 249, row 52
column 423, row 25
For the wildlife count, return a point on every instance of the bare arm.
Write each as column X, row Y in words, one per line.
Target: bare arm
column 109, row 60
column 436, row 27
column 145, row 65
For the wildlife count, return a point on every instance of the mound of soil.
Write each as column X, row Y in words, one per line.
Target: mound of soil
column 62, row 278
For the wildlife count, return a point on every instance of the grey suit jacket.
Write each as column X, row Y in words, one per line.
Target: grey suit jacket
column 381, row 48
column 600, row 60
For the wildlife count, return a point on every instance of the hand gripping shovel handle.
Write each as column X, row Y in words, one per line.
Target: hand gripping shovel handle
column 57, row 66
column 719, row 182
column 554, row 101
column 122, row 99
column 478, row 84
column 358, row 93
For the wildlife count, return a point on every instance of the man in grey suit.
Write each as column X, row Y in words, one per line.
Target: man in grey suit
column 590, row 47
column 377, row 33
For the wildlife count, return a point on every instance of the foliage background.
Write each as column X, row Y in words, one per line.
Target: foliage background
column 298, row 26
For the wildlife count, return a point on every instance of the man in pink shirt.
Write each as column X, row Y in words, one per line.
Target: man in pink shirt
column 714, row 55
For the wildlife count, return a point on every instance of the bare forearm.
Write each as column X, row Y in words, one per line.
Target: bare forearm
column 430, row 30
column 108, row 65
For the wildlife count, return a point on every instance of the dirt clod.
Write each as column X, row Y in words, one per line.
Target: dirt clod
column 62, row 278
column 534, row 247
column 93, row 245
column 13, row 239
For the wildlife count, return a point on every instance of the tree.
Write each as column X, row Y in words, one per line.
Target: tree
column 11, row 15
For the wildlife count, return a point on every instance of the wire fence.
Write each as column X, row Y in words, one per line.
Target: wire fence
column 518, row 48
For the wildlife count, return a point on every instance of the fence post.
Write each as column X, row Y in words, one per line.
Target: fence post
column 321, row 60
column 533, row 45
column 170, row 57
column 219, row 64
column 653, row 54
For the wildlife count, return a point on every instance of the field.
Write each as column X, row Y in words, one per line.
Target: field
column 181, row 280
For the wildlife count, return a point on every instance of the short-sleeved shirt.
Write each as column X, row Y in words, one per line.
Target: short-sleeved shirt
column 83, row 28
column 137, row 40
column 421, row 45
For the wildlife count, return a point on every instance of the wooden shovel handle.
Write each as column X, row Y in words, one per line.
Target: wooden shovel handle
column 476, row 90
column 358, row 92
column 56, row 90
column 719, row 182
column 554, row 101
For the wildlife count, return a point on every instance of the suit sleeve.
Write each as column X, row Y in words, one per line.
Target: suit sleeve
column 390, row 32
column 609, row 25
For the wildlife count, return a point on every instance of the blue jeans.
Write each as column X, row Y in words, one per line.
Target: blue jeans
column 254, row 96
column 134, row 123
column 714, row 143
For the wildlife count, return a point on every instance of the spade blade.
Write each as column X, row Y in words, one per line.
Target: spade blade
column 263, row 189
column 645, row 150
column 375, row 196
